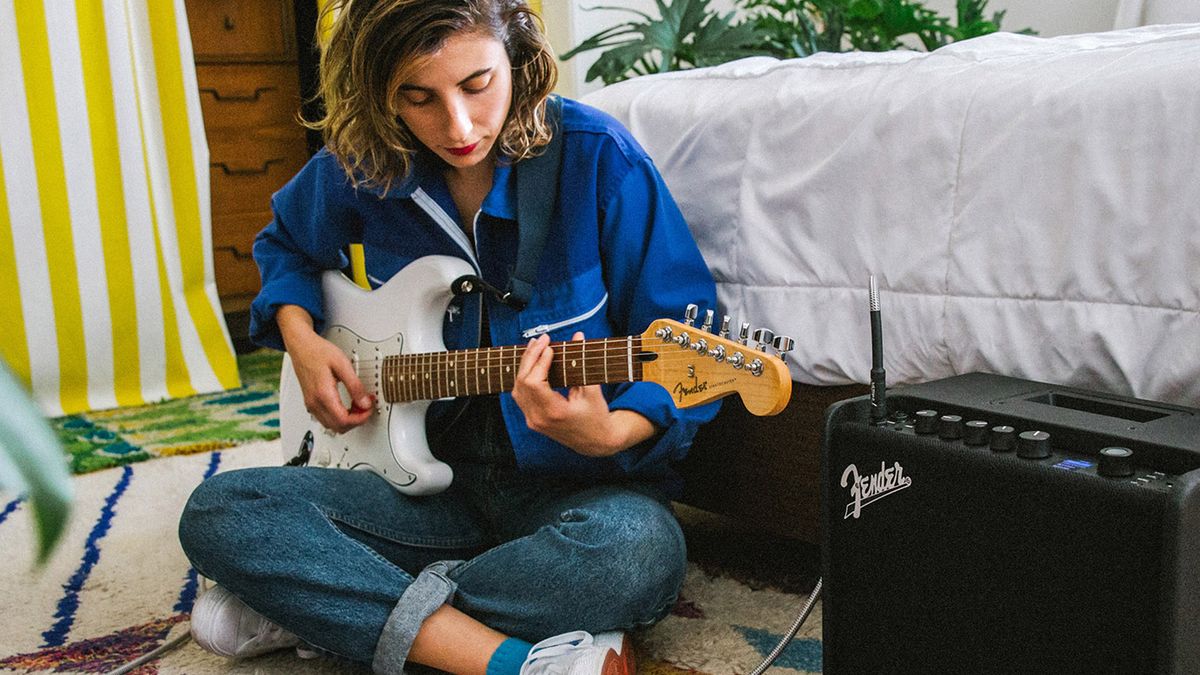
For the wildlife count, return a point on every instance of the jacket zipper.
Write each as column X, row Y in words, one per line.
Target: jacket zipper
column 547, row 327
column 447, row 224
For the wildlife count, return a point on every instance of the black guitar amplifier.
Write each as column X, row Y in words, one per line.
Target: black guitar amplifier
column 998, row 525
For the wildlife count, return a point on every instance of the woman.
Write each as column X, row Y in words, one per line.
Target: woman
column 557, row 521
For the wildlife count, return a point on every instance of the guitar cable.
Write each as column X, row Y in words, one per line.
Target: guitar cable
column 878, row 416
column 787, row 637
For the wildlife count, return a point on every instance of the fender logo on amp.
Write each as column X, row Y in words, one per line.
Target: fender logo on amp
column 872, row 487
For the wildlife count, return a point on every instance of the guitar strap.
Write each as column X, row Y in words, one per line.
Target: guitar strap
column 537, row 193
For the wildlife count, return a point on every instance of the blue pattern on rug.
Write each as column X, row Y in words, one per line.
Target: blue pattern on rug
column 800, row 654
column 187, row 596
column 69, row 604
column 10, row 507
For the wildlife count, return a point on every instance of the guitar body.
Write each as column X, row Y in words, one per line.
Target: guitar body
column 402, row 316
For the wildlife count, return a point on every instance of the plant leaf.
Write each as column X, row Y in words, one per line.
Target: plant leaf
column 34, row 463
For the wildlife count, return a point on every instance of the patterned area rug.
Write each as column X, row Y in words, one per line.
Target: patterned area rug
column 119, row 586
column 108, row 438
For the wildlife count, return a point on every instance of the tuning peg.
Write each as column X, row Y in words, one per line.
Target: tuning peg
column 689, row 314
column 763, row 336
column 708, row 319
column 744, row 333
column 783, row 345
column 724, row 327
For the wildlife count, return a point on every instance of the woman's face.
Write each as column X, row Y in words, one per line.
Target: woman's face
column 457, row 99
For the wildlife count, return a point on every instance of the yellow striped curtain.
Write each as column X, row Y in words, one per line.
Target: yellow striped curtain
column 106, row 283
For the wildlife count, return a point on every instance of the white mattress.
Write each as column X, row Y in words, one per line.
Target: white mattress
column 1030, row 206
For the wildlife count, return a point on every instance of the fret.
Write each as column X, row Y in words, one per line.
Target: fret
column 448, row 374
column 389, row 371
column 583, row 359
column 499, row 371
column 424, row 376
column 475, row 371
column 629, row 355
column 604, row 351
column 439, row 375
column 435, row 391
column 406, row 378
column 413, row 384
column 442, row 378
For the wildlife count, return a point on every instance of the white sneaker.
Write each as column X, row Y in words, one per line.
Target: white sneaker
column 226, row 626
column 581, row 653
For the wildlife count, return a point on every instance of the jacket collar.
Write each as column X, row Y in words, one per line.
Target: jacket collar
column 426, row 173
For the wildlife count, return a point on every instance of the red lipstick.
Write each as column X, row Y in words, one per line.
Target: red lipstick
column 463, row 151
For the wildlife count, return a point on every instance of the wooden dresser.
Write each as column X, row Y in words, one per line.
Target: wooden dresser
column 249, row 79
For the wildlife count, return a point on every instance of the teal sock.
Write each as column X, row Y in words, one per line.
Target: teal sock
column 508, row 657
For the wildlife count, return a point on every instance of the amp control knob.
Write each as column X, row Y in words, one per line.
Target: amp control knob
column 950, row 427
column 1002, row 438
column 1116, row 462
column 1033, row 445
column 925, row 421
column 975, row 432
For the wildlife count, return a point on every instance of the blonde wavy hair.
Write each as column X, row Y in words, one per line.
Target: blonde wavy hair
column 375, row 43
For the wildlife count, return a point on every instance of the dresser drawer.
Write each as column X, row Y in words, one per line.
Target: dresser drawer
column 241, row 30
column 236, row 274
column 243, row 97
column 237, row 230
column 244, row 173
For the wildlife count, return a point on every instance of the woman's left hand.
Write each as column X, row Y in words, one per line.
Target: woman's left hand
column 580, row 420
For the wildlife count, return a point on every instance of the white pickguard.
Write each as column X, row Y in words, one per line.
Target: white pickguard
column 402, row 316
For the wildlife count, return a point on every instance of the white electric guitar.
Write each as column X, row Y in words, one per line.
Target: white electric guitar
column 393, row 336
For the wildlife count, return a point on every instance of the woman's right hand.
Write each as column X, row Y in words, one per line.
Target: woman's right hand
column 320, row 365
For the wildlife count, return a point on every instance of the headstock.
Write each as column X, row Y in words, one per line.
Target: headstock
column 697, row 366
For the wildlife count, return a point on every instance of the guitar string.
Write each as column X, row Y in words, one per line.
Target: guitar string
column 590, row 361
column 429, row 388
column 469, row 362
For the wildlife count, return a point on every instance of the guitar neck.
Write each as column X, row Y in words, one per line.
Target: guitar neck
column 492, row 370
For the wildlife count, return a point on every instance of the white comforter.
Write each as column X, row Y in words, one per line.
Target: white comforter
column 1030, row 206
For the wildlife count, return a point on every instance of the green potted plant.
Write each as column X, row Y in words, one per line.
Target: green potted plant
column 686, row 34
column 32, row 463
column 689, row 34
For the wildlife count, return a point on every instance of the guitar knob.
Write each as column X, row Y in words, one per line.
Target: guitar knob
column 718, row 353
column 755, row 367
column 708, row 319
column 700, row 346
column 724, row 327
column 783, row 345
column 664, row 333
column 689, row 314
column 744, row 333
column 763, row 336
column 737, row 360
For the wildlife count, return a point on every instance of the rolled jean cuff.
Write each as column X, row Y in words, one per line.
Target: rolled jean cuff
column 430, row 590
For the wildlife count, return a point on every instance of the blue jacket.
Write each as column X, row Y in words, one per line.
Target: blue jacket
column 618, row 255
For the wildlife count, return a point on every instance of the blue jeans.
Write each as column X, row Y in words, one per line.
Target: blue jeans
column 353, row 567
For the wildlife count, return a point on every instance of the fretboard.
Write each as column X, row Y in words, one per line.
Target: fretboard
column 470, row 372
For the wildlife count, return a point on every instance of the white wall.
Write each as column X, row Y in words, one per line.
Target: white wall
column 1047, row 17
column 568, row 23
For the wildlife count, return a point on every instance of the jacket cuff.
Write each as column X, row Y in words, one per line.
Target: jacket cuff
column 677, row 427
column 264, row 331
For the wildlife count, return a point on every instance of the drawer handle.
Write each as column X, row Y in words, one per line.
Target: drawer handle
column 244, row 171
column 237, row 97
column 229, row 24
column 234, row 252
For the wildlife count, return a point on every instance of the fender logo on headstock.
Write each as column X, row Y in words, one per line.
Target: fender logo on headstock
column 682, row 391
